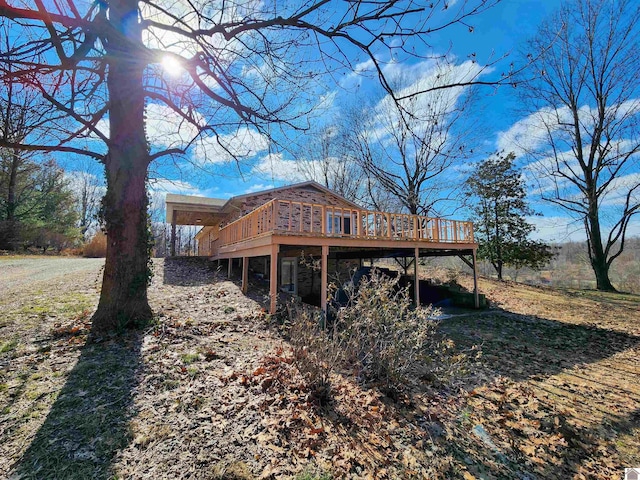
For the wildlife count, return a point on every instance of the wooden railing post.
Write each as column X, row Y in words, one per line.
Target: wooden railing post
column 276, row 205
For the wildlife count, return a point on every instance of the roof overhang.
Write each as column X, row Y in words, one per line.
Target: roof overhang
column 190, row 210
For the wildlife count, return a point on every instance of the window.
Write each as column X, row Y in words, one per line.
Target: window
column 339, row 222
column 289, row 275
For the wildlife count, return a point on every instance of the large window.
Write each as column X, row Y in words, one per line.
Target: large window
column 289, row 275
column 339, row 222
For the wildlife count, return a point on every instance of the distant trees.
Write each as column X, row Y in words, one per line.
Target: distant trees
column 584, row 127
column 87, row 185
column 499, row 207
column 37, row 205
column 325, row 159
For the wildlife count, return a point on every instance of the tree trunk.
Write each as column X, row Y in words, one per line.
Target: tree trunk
column 9, row 235
column 596, row 252
column 123, row 299
column 601, row 270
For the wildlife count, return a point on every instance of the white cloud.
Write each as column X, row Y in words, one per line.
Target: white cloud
column 166, row 128
column 355, row 78
column 258, row 187
column 164, row 185
column 559, row 229
column 616, row 193
column 243, row 143
column 275, row 167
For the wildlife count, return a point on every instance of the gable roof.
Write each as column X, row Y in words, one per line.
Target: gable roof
column 308, row 183
column 208, row 209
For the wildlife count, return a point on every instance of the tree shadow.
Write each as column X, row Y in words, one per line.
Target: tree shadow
column 188, row 271
column 579, row 378
column 524, row 346
column 88, row 423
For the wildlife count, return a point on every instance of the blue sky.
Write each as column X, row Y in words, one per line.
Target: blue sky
column 498, row 32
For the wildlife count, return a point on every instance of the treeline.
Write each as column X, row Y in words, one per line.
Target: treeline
column 570, row 267
column 37, row 205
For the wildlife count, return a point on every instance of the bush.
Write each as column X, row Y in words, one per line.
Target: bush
column 97, row 246
column 380, row 335
column 316, row 350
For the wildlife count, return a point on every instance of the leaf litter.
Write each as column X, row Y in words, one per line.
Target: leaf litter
column 216, row 393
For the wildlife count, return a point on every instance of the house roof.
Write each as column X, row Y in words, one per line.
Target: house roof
column 308, row 183
column 193, row 200
column 192, row 210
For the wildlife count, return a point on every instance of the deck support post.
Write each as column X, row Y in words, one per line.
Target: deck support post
column 245, row 274
column 229, row 267
column 323, row 279
column 173, row 233
column 416, row 279
column 476, row 298
column 273, row 279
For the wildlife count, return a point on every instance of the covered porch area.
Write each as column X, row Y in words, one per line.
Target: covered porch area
column 278, row 259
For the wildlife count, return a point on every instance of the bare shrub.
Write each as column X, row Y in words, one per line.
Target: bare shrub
column 316, row 349
column 379, row 335
column 97, row 246
column 383, row 336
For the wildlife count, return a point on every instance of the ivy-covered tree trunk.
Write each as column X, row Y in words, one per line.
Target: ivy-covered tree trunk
column 123, row 299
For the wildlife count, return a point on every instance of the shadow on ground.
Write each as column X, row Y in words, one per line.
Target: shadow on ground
column 188, row 271
column 88, row 423
column 523, row 346
column 558, row 396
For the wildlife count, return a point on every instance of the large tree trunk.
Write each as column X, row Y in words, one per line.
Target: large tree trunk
column 596, row 252
column 123, row 299
column 601, row 270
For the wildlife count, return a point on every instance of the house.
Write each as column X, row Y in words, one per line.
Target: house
column 270, row 231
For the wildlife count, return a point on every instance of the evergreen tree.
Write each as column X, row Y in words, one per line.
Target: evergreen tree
column 39, row 209
column 500, row 209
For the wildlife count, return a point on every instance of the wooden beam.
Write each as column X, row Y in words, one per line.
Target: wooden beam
column 476, row 298
column 416, row 279
column 469, row 263
column 229, row 267
column 245, row 274
column 323, row 278
column 173, row 233
column 273, row 279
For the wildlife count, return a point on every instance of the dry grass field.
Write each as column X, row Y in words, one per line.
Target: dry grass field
column 210, row 390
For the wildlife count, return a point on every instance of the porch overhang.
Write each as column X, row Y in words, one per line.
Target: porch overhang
column 190, row 210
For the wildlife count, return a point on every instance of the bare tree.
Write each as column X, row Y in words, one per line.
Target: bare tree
column 240, row 66
column 86, row 182
column 406, row 146
column 323, row 158
column 583, row 128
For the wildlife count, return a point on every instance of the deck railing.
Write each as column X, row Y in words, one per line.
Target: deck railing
column 287, row 217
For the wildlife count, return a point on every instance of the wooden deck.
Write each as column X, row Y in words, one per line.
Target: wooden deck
column 282, row 223
column 326, row 224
